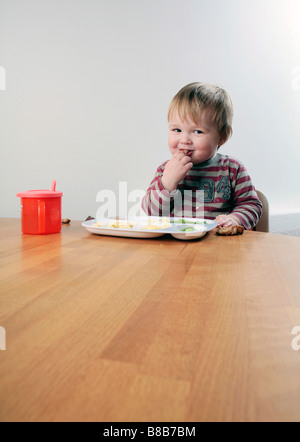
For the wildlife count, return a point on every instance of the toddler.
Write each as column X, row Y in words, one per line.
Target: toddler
column 200, row 122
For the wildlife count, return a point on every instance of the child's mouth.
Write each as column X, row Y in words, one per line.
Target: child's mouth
column 187, row 151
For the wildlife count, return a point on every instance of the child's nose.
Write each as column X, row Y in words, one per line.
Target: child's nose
column 185, row 138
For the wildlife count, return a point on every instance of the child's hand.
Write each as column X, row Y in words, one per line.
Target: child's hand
column 227, row 221
column 175, row 170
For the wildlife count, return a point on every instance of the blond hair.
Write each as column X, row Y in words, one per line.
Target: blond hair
column 197, row 99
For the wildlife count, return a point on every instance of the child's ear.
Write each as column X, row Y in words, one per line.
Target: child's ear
column 224, row 137
column 222, row 141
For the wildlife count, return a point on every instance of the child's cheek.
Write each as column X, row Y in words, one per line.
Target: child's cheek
column 173, row 150
column 172, row 145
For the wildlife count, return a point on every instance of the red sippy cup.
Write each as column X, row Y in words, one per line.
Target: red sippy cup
column 41, row 211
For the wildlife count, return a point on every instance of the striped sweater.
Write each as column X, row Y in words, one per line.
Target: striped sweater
column 218, row 186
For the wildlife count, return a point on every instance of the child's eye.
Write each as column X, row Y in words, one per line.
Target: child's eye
column 198, row 131
column 176, row 130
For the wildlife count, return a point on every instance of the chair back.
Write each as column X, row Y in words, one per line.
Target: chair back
column 263, row 223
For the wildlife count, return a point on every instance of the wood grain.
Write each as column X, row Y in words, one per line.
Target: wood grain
column 118, row 329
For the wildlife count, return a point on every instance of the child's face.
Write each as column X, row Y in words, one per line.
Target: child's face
column 200, row 140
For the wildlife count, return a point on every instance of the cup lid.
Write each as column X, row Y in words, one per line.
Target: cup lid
column 41, row 193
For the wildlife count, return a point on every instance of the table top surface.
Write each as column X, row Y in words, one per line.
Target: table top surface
column 113, row 329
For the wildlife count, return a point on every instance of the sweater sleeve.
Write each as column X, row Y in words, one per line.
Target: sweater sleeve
column 158, row 201
column 246, row 205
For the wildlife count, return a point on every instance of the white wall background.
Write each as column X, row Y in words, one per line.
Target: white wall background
column 88, row 84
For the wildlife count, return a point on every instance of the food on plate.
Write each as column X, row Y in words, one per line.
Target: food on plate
column 149, row 227
column 97, row 224
column 157, row 224
column 230, row 231
column 118, row 223
column 188, row 221
column 121, row 224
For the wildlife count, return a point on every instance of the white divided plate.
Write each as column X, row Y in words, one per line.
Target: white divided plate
column 151, row 227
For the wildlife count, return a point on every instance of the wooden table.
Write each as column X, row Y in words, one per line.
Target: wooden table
column 117, row 329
